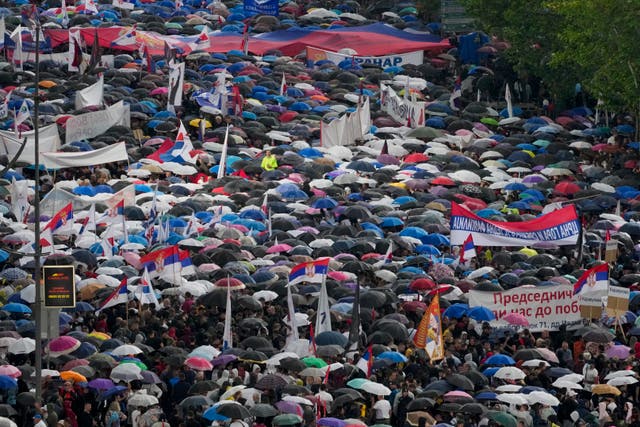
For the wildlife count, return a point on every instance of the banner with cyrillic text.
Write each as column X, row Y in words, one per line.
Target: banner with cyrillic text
column 90, row 125
column 560, row 227
column 49, row 141
column 416, row 58
column 112, row 153
column 547, row 307
column 403, row 111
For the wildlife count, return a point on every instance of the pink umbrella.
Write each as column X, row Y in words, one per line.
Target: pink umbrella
column 281, row 247
column 339, row 276
column 10, row 371
column 159, row 91
column 516, row 319
column 63, row 345
column 547, row 355
column 133, row 259
column 208, row 267
column 457, row 394
column 74, row 363
column 198, row 363
column 618, row 352
column 289, row 408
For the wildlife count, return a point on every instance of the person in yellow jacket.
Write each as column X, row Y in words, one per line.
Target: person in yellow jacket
column 269, row 162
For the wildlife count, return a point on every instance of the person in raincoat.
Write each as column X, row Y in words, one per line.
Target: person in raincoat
column 269, row 162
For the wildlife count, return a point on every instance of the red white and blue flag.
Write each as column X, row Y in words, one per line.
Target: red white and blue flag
column 145, row 293
column 312, row 272
column 167, row 262
column 57, row 222
column 468, row 250
column 593, row 280
column 119, row 296
column 128, row 38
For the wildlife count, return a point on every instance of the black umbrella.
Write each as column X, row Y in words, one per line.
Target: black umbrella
column 296, row 390
column 460, row 381
column 197, row 401
column 449, row 407
column 373, row 299
column 271, row 382
column 256, row 342
column 473, row 409
column 330, row 350
column 203, row 387
column 600, row 336
column 263, row 410
column 441, row 386
column 292, row 364
column 420, row 404
column 557, row 372
column 396, row 329
column 233, row 411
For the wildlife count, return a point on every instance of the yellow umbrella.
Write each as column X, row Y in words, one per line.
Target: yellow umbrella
column 196, row 123
column 73, row 376
column 47, row 84
column 398, row 184
column 605, row 389
column 528, row 252
column 100, row 335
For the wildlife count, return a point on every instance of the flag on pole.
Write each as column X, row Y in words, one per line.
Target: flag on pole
column 145, row 293
column 227, row 337
column 147, row 59
column 75, row 49
column 265, row 206
column 312, row 272
column 23, row 114
column 454, row 99
column 118, row 296
column 507, row 97
column 312, row 340
column 19, row 198
column 65, row 15
column 222, row 166
column 16, row 36
column 90, row 6
column 182, row 146
column 365, row 363
column 468, row 250
column 388, row 256
column 3, row 31
column 283, row 85
column 169, row 55
column 89, row 223
column 94, row 60
column 323, row 316
column 244, row 47
column 128, row 38
column 293, row 334
column 593, row 280
column 176, row 83
column 62, row 220
column 434, row 341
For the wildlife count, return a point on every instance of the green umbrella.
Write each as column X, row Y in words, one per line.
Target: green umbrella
column 357, row 382
column 502, row 418
column 138, row 363
column 287, row 420
column 314, row 362
column 489, row 121
column 425, row 133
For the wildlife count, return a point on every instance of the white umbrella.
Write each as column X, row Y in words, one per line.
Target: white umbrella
column 580, row 145
column 276, row 358
column 231, row 391
column 535, row 363
column 126, row 372
column 142, row 400
column 509, row 121
column 5, row 342
column 574, row 378
column 556, row 172
column 605, row 188
column 320, row 183
column 28, row 294
column 480, row 272
column 621, row 373
column 23, row 346
column 125, row 350
column 6, row 422
column 622, row 381
column 513, row 398
column 543, row 398
column 508, row 388
column 510, row 373
column 321, row 243
column 298, row 399
column 566, row 384
column 112, row 271
column 488, row 155
column 265, row 295
column 375, row 388
column 346, row 179
column 519, row 169
column 205, row 350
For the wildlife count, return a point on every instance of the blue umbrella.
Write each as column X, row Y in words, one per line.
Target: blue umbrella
column 372, row 227
column 489, row 372
column 394, row 356
column 84, row 190
column 295, row 195
column 310, row 153
column 255, row 214
column 436, row 239
column 324, row 203
column 391, row 221
column 456, row 311
column 211, row 414
column 299, row 106
column 415, row 232
column 85, row 350
column 82, row 306
column 481, row 314
column 529, row 388
column 15, row 307
column 534, row 194
column 515, row 186
column 102, row 188
column 428, row 249
column 500, row 360
column 342, row 307
column 404, row 199
column 331, row 338
column 486, row 395
column 112, row 392
column 487, row 213
column 6, row 382
column 64, row 318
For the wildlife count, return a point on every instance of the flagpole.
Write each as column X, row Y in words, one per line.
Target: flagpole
column 36, row 211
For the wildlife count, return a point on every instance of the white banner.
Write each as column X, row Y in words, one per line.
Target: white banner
column 347, row 129
column 416, row 58
column 403, row 111
column 113, row 153
column 545, row 307
column 176, row 83
column 91, row 95
column 49, row 141
column 90, row 125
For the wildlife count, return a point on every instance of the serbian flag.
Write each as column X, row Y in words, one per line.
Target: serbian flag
column 312, row 272
column 593, row 280
column 283, row 85
column 468, row 250
column 146, row 294
column 244, row 47
column 119, row 296
column 365, row 363
column 167, row 262
column 58, row 221
column 148, row 59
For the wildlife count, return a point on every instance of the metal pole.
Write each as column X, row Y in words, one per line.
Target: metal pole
column 36, row 202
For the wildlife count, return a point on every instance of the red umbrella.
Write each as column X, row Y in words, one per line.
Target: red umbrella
column 566, row 188
column 63, row 345
column 198, row 363
column 413, row 306
column 229, row 282
column 422, row 284
column 443, row 180
column 416, row 158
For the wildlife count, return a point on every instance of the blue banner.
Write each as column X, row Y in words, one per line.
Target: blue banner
column 261, row 7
